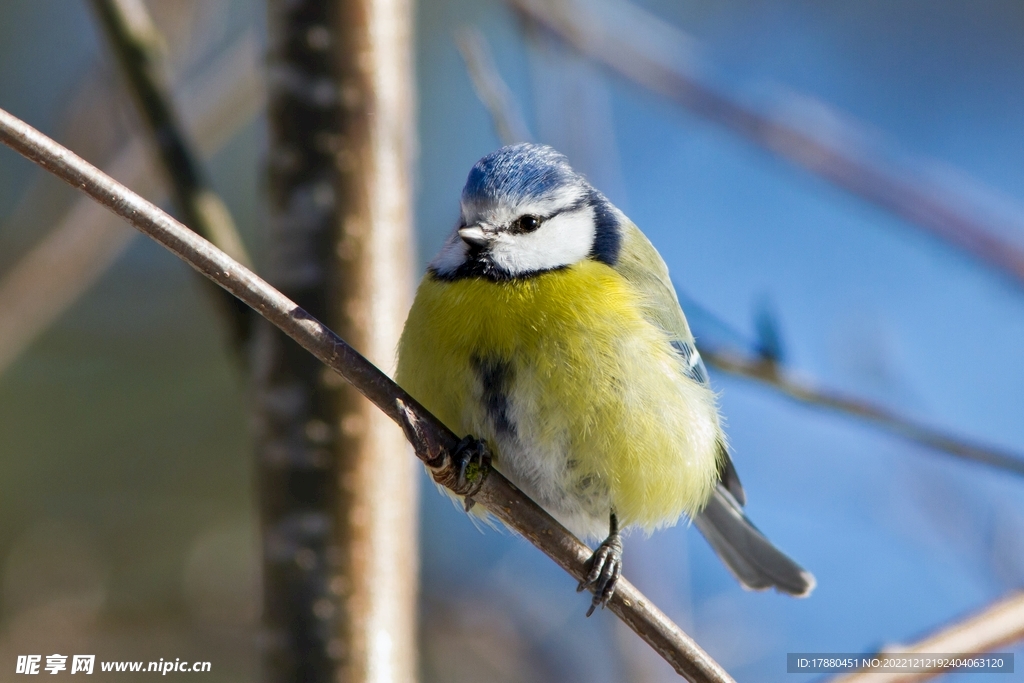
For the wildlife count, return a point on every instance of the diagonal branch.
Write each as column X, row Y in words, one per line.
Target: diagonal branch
column 643, row 50
column 769, row 372
column 431, row 439
column 999, row 624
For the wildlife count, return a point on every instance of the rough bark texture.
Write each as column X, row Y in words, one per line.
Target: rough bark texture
column 337, row 486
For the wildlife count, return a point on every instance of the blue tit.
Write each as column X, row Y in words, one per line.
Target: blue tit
column 548, row 326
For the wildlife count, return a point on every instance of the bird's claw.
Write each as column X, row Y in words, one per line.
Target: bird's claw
column 473, row 461
column 605, row 570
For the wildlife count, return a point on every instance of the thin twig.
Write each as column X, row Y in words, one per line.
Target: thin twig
column 490, row 87
column 653, row 64
column 998, row 625
column 136, row 42
column 433, row 441
column 770, row 373
column 86, row 240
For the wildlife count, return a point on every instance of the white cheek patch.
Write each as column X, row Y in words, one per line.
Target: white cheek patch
column 561, row 240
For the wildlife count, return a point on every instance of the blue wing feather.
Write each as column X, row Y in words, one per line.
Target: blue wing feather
column 693, row 364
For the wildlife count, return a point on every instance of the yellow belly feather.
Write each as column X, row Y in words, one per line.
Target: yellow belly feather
column 596, row 392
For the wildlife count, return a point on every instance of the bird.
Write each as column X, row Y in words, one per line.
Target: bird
column 548, row 331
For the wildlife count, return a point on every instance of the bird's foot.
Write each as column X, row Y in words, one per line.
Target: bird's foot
column 473, row 460
column 605, row 569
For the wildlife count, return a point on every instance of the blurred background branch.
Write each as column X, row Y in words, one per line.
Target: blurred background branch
column 432, row 441
column 295, row 410
column 490, row 87
column 137, row 46
column 86, row 240
column 771, row 373
column 338, row 492
column 646, row 51
column 998, row 625
column 372, row 150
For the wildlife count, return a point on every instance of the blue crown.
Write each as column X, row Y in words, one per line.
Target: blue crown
column 518, row 173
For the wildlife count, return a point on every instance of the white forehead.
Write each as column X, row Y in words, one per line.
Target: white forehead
column 503, row 211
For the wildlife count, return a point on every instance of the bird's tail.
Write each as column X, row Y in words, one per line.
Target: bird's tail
column 751, row 557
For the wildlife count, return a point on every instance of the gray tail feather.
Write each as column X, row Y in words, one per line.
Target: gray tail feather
column 751, row 557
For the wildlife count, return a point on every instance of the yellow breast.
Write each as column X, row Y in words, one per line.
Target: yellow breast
column 600, row 412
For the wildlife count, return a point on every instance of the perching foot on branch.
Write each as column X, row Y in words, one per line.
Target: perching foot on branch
column 473, row 461
column 605, row 568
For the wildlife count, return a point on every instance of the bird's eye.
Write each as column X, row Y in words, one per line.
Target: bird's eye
column 526, row 223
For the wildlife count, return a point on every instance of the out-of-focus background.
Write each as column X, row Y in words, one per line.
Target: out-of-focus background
column 127, row 498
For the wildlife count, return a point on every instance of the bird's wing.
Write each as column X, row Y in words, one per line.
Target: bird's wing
column 642, row 266
column 748, row 554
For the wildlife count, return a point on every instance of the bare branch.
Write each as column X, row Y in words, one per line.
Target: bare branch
column 646, row 51
column 1000, row 624
column 87, row 239
column 136, row 42
column 770, row 373
column 490, row 88
column 435, row 441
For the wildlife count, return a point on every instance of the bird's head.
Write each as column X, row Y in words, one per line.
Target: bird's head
column 525, row 211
